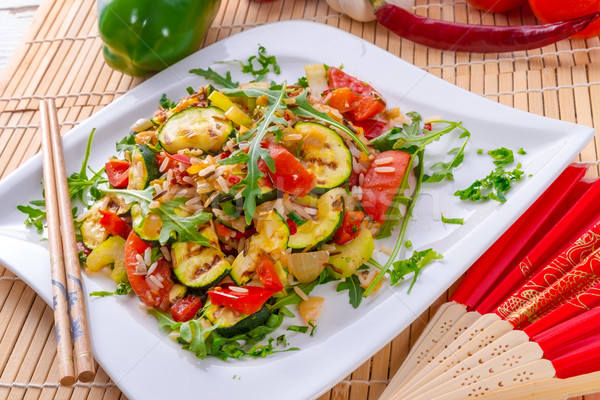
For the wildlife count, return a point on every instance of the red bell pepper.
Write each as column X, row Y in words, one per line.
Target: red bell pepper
column 185, row 309
column 247, row 301
column 267, row 275
column 114, row 224
column 350, row 227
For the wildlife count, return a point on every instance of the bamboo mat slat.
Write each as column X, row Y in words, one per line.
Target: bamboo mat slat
column 60, row 57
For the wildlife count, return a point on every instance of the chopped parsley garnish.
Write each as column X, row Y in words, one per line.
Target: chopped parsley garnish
column 494, row 186
column 502, row 156
column 455, row 221
column 166, row 103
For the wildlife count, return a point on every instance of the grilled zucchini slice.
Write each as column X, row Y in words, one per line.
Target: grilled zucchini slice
column 144, row 167
column 350, row 256
column 330, row 213
column 195, row 128
column 147, row 228
column 325, row 154
column 231, row 322
column 199, row 266
column 271, row 237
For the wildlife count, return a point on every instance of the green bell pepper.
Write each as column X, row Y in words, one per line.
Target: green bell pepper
column 145, row 36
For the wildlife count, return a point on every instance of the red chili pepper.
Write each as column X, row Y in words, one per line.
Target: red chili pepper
column 114, row 224
column 247, row 301
column 292, row 226
column 474, row 38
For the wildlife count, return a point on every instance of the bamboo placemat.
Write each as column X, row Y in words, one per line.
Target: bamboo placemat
column 61, row 58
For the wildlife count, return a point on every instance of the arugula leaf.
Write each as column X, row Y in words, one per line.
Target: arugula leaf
column 192, row 336
column 166, row 103
column 302, row 82
column 502, row 156
column 127, row 143
column 415, row 263
column 456, row 221
column 355, row 290
column 494, row 186
column 446, row 168
column 122, row 289
column 35, row 216
column 186, row 227
column 165, row 321
column 211, row 75
column 235, row 158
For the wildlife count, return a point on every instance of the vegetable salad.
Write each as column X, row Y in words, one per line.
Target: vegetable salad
column 227, row 207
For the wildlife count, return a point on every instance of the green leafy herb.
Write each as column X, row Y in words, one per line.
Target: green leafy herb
column 313, row 327
column 455, row 221
column 521, row 151
column 494, row 186
column 122, row 289
column 302, row 82
column 213, row 76
column 408, row 244
column 166, row 103
column 415, row 263
column 298, row 328
column 502, row 156
column 479, row 151
column 265, row 64
column 185, row 227
column 355, row 290
column 165, row 321
column 235, row 158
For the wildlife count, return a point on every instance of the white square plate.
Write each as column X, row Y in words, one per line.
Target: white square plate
column 145, row 364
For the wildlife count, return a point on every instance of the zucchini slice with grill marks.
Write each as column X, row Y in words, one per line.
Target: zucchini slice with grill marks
column 325, row 154
column 271, row 238
column 144, row 167
column 199, row 266
column 231, row 322
column 195, row 128
column 330, row 213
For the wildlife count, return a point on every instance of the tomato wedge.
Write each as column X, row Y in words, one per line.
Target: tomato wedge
column 353, row 96
column 339, row 79
column 185, row 309
column 382, row 181
column 246, row 300
column 350, row 227
column 372, row 127
column 290, row 175
column 151, row 294
column 267, row 275
column 114, row 224
column 117, row 172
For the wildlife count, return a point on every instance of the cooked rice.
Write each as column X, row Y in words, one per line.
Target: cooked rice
column 384, row 170
column 300, row 293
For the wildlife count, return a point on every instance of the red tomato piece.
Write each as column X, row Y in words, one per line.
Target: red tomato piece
column 248, row 301
column 372, row 127
column 379, row 188
column 339, row 79
column 290, row 175
column 114, row 224
column 267, row 275
column 151, row 294
column 175, row 160
column 350, row 227
column 117, row 172
column 185, row 309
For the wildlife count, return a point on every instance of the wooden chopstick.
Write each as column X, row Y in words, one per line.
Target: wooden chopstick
column 73, row 341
